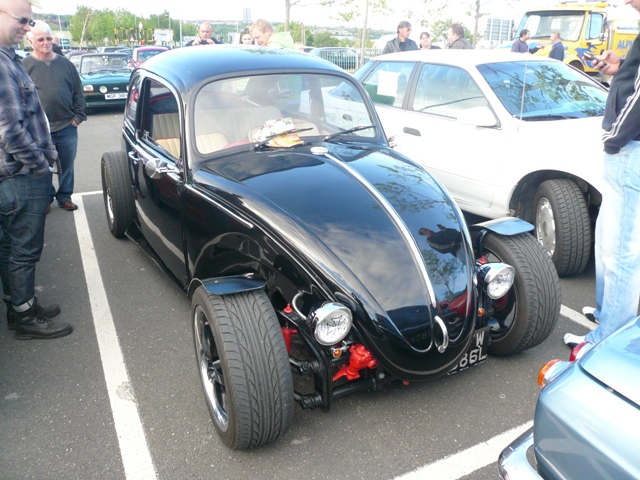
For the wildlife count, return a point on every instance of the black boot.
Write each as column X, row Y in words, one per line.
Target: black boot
column 49, row 311
column 35, row 324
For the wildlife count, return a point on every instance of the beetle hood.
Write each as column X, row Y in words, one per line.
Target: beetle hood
column 380, row 229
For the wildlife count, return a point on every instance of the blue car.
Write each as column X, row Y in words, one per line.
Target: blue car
column 105, row 79
column 587, row 416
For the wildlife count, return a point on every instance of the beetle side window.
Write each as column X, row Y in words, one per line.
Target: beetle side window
column 387, row 83
column 161, row 118
column 444, row 90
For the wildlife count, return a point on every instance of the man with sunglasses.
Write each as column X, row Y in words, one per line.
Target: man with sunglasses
column 26, row 153
column 60, row 91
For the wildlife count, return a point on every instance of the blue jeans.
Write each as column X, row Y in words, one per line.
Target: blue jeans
column 23, row 204
column 66, row 142
column 617, row 246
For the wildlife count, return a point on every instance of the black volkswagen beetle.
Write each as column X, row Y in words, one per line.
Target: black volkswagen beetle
column 319, row 261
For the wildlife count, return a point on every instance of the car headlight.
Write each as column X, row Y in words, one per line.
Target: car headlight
column 87, row 88
column 331, row 323
column 497, row 278
column 103, row 89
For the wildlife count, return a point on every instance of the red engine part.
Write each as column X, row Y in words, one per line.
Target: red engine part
column 360, row 358
column 286, row 333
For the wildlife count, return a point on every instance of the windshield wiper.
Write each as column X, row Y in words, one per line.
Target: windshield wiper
column 548, row 116
column 346, row 132
column 271, row 137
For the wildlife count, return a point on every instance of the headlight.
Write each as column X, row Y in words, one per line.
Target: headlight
column 497, row 278
column 88, row 88
column 103, row 89
column 331, row 323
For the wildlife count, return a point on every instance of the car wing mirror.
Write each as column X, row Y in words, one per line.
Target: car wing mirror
column 156, row 168
column 478, row 117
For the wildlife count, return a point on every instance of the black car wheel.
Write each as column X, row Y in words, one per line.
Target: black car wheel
column 244, row 367
column 563, row 225
column 117, row 193
column 528, row 313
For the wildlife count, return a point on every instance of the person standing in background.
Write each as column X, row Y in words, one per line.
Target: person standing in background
column 26, row 154
column 402, row 43
column 205, row 36
column 425, row 42
column 557, row 51
column 60, row 91
column 56, row 45
column 455, row 35
column 263, row 33
column 520, row 45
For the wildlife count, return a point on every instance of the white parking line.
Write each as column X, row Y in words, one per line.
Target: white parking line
column 469, row 460
column 136, row 458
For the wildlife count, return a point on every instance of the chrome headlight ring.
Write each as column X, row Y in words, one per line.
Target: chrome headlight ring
column 331, row 323
column 496, row 278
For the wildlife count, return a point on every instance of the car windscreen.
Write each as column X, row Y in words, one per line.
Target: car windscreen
column 541, row 24
column 544, row 90
column 92, row 64
column 243, row 110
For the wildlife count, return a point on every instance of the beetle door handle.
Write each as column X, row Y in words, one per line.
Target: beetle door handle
column 412, row 131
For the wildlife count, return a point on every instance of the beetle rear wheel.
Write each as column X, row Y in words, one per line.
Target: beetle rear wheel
column 528, row 313
column 117, row 193
column 244, row 367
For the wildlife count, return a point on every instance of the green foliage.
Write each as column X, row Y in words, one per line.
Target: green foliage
column 325, row 39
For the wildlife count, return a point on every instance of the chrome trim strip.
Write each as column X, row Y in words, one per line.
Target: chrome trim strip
column 513, row 462
column 219, row 206
column 397, row 220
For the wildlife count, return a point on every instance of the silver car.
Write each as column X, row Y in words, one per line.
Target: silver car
column 587, row 419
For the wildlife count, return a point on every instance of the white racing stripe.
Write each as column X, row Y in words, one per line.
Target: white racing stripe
column 136, row 458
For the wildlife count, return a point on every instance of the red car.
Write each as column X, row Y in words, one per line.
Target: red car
column 142, row 54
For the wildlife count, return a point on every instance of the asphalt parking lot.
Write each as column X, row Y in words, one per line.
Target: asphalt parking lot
column 120, row 397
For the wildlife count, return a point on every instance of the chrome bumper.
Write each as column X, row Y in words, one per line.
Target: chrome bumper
column 513, row 463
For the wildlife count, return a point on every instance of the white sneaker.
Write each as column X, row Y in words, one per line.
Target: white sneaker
column 572, row 341
column 589, row 313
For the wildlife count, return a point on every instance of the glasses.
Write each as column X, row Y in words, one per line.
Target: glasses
column 22, row 20
column 43, row 39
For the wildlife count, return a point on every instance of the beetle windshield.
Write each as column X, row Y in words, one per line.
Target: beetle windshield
column 245, row 110
column 544, row 90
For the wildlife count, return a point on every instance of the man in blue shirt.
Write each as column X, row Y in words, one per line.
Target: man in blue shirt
column 557, row 51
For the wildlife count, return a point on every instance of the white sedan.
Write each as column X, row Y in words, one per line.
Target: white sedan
column 507, row 134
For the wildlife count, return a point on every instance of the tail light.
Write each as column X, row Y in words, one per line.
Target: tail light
column 553, row 368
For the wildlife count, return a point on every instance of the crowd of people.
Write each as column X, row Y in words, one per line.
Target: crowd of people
column 42, row 106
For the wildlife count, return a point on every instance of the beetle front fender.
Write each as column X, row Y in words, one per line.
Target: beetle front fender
column 503, row 226
column 226, row 285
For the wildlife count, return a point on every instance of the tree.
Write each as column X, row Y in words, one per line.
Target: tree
column 324, row 39
column 101, row 27
column 365, row 11
column 79, row 24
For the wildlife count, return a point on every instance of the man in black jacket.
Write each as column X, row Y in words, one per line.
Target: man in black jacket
column 617, row 248
column 402, row 43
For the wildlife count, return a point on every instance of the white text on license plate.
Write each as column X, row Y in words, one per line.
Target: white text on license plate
column 477, row 352
column 115, row 96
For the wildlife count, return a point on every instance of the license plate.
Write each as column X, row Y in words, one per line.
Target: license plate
column 115, row 96
column 477, row 352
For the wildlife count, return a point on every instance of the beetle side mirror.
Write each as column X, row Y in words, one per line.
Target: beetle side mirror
column 477, row 117
column 155, row 168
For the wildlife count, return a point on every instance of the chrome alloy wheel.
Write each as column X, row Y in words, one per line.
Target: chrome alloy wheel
column 546, row 226
column 210, row 369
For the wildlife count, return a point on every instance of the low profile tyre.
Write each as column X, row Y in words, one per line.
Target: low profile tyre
column 117, row 193
column 563, row 225
column 528, row 313
column 244, row 367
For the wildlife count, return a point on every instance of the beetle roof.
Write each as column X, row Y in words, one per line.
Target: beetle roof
column 189, row 66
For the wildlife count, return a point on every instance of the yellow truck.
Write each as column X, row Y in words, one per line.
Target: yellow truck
column 586, row 26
